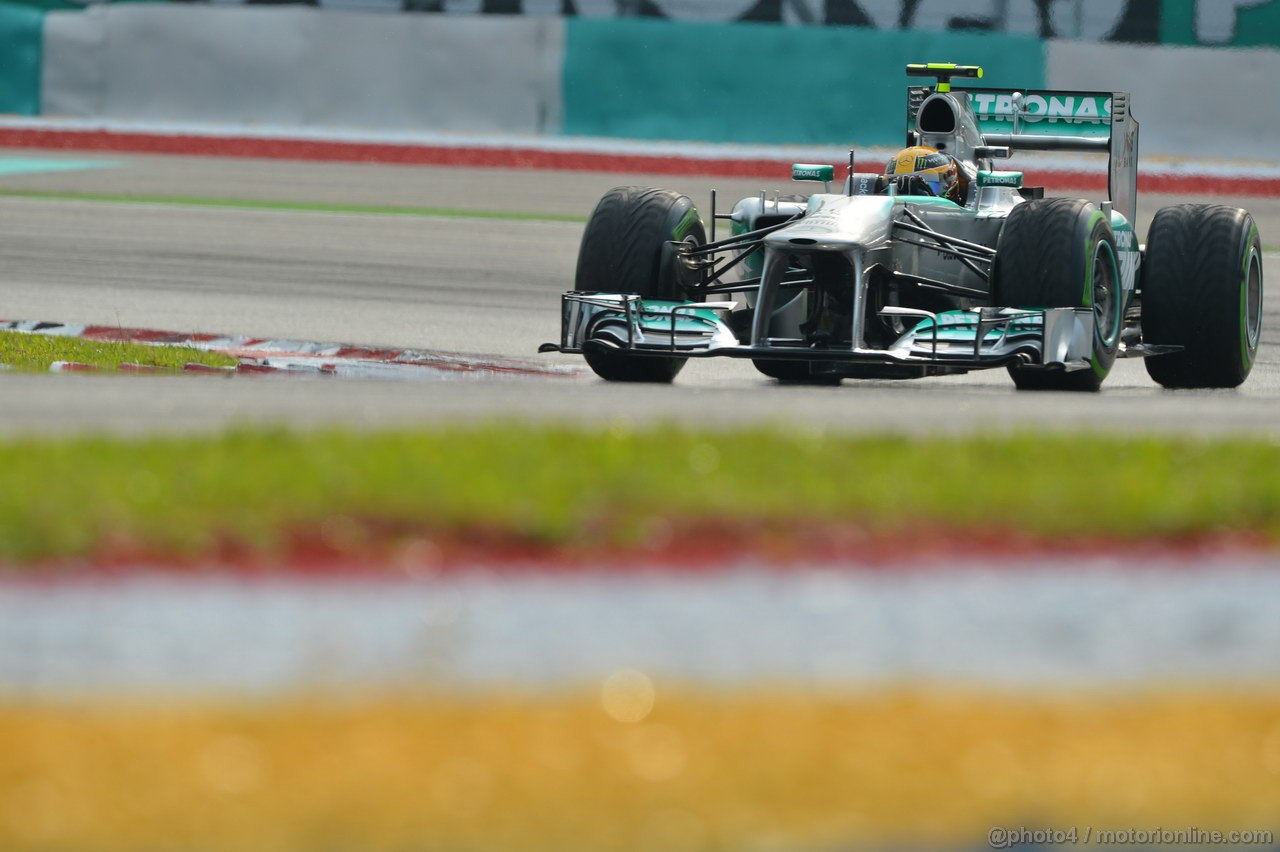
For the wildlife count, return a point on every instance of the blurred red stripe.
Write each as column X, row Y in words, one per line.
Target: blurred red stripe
column 530, row 158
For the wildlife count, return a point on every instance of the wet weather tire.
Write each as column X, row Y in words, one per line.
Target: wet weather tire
column 1061, row 253
column 1202, row 290
column 625, row 250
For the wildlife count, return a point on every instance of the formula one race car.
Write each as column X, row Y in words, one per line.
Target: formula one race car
column 942, row 264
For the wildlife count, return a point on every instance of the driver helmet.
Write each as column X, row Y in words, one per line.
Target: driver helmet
column 935, row 170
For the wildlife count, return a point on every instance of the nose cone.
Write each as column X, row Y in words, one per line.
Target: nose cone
column 839, row 223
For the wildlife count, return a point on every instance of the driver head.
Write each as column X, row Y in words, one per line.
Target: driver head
column 928, row 169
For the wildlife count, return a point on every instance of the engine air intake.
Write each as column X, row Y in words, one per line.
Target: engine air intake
column 937, row 115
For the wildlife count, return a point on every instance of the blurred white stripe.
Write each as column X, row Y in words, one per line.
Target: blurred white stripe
column 1027, row 625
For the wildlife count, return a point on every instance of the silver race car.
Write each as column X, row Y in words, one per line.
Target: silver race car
column 941, row 264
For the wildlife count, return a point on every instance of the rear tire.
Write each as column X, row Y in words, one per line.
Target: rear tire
column 1202, row 290
column 625, row 250
column 1061, row 253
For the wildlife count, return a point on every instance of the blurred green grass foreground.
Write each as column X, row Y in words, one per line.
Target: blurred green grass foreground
column 263, row 491
column 38, row 352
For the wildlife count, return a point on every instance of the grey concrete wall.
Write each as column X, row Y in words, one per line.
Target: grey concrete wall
column 301, row 67
column 71, row 75
column 1189, row 101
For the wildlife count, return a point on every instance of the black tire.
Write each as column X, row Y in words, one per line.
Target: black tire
column 1061, row 253
column 625, row 250
column 1202, row 290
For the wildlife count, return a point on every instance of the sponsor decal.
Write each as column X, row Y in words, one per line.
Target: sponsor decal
column 1049, row 109
column 1013, row 179
column 969, row 319
column 865, row 185
column 809, row 171
column 1127, row 255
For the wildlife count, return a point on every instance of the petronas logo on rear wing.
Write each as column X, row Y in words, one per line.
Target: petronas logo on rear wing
column 1075, row 114
column 1073, row 109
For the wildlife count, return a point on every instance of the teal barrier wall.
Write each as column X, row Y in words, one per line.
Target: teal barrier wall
column 759, row 83
column 20, row 45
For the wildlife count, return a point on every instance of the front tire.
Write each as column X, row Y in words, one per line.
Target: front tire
column 625, row 250
column 1061, row 253
column 1202, row 290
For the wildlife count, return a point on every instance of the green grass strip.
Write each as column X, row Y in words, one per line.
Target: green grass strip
column 181, row 495
column 37, row 352
column 294, row 206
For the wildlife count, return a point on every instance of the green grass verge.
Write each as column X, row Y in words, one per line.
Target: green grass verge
column 293, row 206
column 37, row 352
column 181, row 495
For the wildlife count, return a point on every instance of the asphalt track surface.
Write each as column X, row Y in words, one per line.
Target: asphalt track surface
column 450, row 283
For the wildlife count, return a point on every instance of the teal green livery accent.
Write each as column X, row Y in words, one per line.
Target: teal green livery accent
column 809, row 171
column 1126, row 252
column 1043, row 114
column 960, row 326
column 1121, row 225
column 655, row 316
column 924, row 199
column 1011, row 179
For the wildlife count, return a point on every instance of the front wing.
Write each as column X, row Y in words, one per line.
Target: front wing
column 953, row 341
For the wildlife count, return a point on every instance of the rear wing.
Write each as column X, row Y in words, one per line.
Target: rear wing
column 1047, row 120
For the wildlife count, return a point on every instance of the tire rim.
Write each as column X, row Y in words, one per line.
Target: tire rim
column 677, row 271
column 1253, row 299
column 1106, row 307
